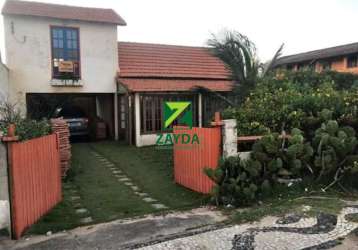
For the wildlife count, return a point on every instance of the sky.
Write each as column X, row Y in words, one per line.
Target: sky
column 302, row 25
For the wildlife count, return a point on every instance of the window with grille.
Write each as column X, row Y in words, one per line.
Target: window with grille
column 65, row 51
column 152, row 111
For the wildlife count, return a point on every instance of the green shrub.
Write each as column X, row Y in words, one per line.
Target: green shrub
column 29, row 129
column 316, row 106
column 294, row 100
column 26, row 129
column 309, row 78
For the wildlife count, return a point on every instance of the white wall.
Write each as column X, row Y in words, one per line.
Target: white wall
column 28, row 53
column 4, row 192
column 141, row 139
column 229, row 138
column 4, row 81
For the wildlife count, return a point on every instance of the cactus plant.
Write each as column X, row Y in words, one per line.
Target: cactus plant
column 335, row 149
column 283, row 156
column 238, row 181
column 243, row 181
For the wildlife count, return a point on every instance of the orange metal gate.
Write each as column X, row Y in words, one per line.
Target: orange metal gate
column 35, row 180
column 191, row 159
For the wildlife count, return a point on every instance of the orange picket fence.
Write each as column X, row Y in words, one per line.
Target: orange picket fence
column 190, row 158
column 35, row 180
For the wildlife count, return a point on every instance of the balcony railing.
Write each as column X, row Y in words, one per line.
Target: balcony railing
column 66, row 83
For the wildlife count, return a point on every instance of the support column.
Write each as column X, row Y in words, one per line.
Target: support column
column 116, row 131
column 200, row 110
column 129, row 124
column 229, row 138
column 138, row 140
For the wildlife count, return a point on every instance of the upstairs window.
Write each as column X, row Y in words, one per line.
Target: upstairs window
column 65, row 53
column 352, row 61
column 301, row 66
column 326, row 65
column 289, row 67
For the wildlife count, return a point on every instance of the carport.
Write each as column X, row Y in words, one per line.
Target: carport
column 97, row 107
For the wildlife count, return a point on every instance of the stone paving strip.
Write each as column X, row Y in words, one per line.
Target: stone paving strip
column 124, row 179
column 80, row 210
column 322, row 232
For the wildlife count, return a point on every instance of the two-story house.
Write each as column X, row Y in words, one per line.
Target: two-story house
column 40, row 38
column 342, row 58
column 56, row 51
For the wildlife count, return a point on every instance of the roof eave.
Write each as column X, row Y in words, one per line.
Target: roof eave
column 119, row 23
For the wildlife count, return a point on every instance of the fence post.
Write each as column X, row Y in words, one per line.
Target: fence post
column 5, row 221
column 9, row 139
column 229, row 138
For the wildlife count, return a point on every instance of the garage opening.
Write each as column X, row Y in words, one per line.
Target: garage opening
column 88, row 115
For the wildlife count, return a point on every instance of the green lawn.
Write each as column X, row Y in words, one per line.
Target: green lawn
column 62, row 217
column 105, row 197
column 152, row 170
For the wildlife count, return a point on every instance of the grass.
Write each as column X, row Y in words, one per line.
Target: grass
column 280, row 207
column 107, row 199
column 62, row 217
column 293, row 200
column 152, row 170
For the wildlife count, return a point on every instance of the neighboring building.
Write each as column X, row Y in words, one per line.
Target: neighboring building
column 57, row 52
column 342, row 58
column 153, row 73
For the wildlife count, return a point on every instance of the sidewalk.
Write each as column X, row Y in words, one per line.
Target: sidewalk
column 124, row 234
column 292, row 232
column 205, row 228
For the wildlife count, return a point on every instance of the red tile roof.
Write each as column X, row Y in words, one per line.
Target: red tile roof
column 157, row 84
column 157, row 60
column 314, row 55
column 15, row 7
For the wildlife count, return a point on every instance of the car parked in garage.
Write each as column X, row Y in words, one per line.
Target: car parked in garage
column 76, row 119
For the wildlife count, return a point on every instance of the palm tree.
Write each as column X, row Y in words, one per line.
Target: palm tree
column 272, row 63
column 238, row 53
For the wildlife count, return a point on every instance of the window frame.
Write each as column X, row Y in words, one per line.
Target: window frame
column 53, row 76
column 326, row 65
column 355, row 64
column 160, row 98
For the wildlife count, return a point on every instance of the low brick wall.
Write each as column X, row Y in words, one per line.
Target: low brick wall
column 60, row 127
